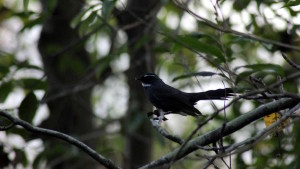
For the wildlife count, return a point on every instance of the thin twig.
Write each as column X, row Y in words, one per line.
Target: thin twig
column 210, row 162
column 293, row 64
column 273, row 96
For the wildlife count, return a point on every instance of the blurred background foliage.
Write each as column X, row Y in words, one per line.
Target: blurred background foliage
column 96, row 55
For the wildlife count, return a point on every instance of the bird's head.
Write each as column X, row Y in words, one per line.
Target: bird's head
column 148, row 79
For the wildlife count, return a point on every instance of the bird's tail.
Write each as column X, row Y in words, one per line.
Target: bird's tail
column 219, row 94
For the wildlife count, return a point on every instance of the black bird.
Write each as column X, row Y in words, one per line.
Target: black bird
column 172, row 100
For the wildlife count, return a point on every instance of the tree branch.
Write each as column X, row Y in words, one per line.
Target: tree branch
column 96, row 156
column 165, row 133
column 230, row 127
column 250, row 142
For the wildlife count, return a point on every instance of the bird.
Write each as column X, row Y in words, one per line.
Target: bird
column 173, row 101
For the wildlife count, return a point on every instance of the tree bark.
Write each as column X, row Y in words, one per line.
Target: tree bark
column 71, row 114
column 138, row 148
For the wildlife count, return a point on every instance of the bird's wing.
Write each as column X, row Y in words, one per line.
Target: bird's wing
column 171, row 99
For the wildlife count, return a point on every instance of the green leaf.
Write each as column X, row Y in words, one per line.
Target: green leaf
column 240, row 5
column 31, row 23
column 21, row 156
column 86, row 24
column 107, row 7
column 5, row 13
column 6, row 60
column 24, row 16
column 291, row 3
column 266, row 67
column 26, row 65
column 175, row 48
column 25, row 5
column 75, row 21
column 3, row 71
column 199, row 46
column 259, row 70
column 28, row 107
column 243, row 76
column 78, row 19
column 5, row 89
column 38, row 159
column 33, row 84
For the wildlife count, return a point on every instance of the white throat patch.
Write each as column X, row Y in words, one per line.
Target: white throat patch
column 146, row 85
column 148, row 75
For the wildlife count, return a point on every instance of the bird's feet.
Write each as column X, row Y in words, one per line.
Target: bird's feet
column 157, row 115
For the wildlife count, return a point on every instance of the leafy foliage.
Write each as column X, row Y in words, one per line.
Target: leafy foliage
column 185, row 46
column 5, row 90
column 28, row 107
